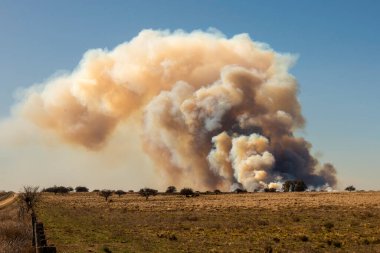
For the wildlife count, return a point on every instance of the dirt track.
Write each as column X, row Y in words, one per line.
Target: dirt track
column 5, row 202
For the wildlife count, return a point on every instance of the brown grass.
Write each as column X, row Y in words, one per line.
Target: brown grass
column 15, row 232
column 254, row 222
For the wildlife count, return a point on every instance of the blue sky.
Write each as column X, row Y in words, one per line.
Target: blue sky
column 337, row 42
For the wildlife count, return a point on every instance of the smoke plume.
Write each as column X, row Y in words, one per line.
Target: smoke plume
column 212, row 112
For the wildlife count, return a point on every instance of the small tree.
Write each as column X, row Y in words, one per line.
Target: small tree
column 105, row 193
column 188, row 192
column 81, row 189
column 217, row 191
column 350, row 188
column 120, row 192
column 171, row 189
column 29, row 197
column 146, row 192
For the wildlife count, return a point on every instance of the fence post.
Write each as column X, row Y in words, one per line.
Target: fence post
column 33, row 227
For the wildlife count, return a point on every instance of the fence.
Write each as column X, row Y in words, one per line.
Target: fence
column 39, row 239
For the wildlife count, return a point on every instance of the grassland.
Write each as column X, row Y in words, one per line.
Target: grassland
column 254, row 222
column 15, row 231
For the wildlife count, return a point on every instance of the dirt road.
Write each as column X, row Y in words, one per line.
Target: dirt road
column 5, row 202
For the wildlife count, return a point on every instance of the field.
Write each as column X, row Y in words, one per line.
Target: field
column 253, row 222
column 15, row 232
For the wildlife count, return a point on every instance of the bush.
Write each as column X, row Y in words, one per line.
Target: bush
column 171, row 189
column 120, row 192
column 188, row 192
column 217, row 191
column 350, row 188
column 146, row 192
column 81, row 189
column 270, row 190
column 29, row 198
column 238, row 190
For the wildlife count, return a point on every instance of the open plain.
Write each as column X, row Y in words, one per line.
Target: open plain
column 250, row 222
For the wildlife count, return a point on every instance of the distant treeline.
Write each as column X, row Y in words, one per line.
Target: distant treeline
column 288, row 186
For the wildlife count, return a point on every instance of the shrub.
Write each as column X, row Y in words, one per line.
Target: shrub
column 120, row 192
column 29, row 198
column 270, row 190
column 171, row 189
column 238, row 190
column 217, row 191
column 188, row 192
column 350, row 188
column 146, row 192
column 81, row 189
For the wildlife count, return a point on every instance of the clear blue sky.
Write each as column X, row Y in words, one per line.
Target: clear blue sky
column 338, row 43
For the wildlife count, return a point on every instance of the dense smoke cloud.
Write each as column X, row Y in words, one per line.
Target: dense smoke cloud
column 214, row 112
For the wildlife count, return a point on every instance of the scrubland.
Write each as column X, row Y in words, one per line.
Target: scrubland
column 252, row 222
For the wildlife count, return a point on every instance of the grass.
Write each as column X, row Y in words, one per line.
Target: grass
column 254, row 222
column 15, row 232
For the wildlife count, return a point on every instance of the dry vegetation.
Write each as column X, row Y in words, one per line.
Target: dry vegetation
column 15, row 232
column 254, row 222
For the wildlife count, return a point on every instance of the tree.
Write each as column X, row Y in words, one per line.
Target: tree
column 300, row 186
column 294, row 185
column 171, row 189
column 188, row 192
column 146, row 192
column 350, row 188
column 29, row 198
column 120, row 192
column 287, row 186
column 81, row 189
column 105, row 193
column 217, row 191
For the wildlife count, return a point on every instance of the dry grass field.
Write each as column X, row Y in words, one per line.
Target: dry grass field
column 15, row 233
column 253, row 222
